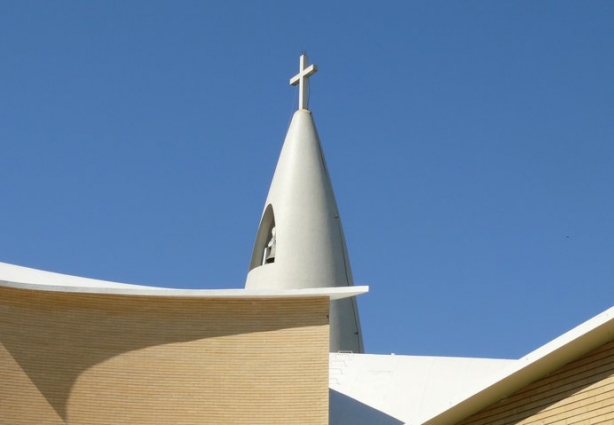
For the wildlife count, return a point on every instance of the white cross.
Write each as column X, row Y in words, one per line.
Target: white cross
column 304, row 73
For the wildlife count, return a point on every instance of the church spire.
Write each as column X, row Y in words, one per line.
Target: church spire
column 300, row 242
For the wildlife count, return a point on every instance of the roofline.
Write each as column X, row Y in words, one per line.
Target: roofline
column 549, row 357
column 19, row 277
column 129, row 290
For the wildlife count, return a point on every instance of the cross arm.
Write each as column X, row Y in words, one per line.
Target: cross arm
column 310, row 70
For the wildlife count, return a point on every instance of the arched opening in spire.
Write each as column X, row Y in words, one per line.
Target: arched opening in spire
column 266, row 240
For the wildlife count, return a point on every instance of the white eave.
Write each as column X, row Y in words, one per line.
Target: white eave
column 18, row 277
column 535, row 365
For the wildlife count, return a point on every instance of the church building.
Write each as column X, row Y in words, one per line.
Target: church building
column 286, row 349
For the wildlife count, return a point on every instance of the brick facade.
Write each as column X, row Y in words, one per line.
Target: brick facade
column 582, row 392
column 116, row 359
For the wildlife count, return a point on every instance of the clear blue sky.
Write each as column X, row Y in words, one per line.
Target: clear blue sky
column 471, row 147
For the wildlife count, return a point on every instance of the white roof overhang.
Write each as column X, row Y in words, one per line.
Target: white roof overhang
column 17, row 277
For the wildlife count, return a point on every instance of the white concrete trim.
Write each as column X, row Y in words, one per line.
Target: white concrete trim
column 332, row 293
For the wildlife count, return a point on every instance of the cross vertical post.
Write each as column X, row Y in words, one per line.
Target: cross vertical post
column 301, row 79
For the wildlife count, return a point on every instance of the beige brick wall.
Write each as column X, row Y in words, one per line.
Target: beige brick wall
column 581, row 392
column 105, row 359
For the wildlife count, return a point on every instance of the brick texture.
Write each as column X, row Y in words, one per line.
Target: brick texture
column 582, row 392
column 68, row 358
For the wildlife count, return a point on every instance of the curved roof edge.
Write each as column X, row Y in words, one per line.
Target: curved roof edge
column 549, row 357
column 17, row 277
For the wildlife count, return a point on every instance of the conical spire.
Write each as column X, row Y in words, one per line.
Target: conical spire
column 300, row 242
